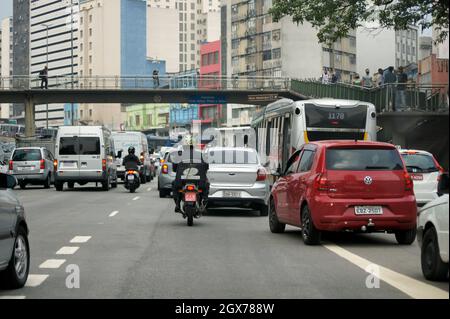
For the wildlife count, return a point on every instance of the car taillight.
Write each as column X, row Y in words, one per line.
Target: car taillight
column 190, row 188
column 55, row 164
column 408, row 181
column 42, row 164
column 104, row 164
column 165, row 169
column 131, row 172
column 261, row 175
column 11, row 165
column 322, row 183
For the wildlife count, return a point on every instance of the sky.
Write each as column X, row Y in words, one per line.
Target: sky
column 5, row 9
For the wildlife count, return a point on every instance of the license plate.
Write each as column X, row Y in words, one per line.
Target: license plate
column 231, row 194
column 130, row 177
column 417, row 177
column 69, row 164
column 25, row 168
column 190, row 197
column 368, row 210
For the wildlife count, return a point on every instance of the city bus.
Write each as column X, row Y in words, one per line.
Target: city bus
column 156, row 142
column 11, row 130
column 284, row 126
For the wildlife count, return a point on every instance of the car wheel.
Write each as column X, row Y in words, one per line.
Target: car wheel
column 274, row 223
column 310, row 234
column 162, row 193
column 59, row 186
column 263, row 210
column 22, row 185
column 16, row 275
column 106, row 184
column 406, row 237
column 48, row 182
column 433, row 268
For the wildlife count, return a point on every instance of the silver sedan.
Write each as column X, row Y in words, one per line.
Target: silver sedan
column 237, row 178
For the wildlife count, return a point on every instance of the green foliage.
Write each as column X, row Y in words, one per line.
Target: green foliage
column 334, row 19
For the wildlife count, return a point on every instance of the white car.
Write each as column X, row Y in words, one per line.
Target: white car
column 432, row 234
column 425, row 172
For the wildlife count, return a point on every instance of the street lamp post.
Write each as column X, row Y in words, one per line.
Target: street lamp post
column 46, row 37
column 71, row 49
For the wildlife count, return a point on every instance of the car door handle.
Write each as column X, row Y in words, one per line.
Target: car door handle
column 232, row 174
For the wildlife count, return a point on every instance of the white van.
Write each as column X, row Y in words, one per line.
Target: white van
column 84, row 154
column 122, row 141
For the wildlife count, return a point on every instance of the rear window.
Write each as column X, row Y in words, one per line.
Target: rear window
column 27, row 155
column 363, row 159
column 332, row 117
column 419, row 163
column 79, row 146
column 232, row 157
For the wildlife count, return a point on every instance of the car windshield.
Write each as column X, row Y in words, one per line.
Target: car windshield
column 362, row 159
column 27, row 155
column 232, row 157
column 419, row 163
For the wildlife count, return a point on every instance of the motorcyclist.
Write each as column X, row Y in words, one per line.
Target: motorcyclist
column 131, row 161
column 190, row 158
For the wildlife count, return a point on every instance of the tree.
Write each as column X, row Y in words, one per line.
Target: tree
column 335, row 18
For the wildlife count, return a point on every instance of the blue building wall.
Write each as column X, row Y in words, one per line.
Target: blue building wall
column 183, row 114
column 68, row 113
column 134, row 38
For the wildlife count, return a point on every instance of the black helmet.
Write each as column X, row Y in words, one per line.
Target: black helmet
column 131, row 150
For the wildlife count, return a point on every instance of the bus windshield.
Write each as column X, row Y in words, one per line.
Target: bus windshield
column 329, row 117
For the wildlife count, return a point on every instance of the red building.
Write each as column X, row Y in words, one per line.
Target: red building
column 210, row 73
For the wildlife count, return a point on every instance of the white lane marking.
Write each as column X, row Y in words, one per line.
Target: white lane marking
column 113, row 213
column 66, row 250
column 12, row 297
column 136, row 198
column 80, row 239
column 35, row 280
column 410, row 286
column 149, row 189
column 52, row 263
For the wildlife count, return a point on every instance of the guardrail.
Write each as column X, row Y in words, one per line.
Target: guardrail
column 386, row 98
column 205, row 82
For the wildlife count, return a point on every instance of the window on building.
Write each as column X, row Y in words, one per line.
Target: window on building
column 181, row 47
column 193, row 58
column 192, row 36
column 90, row 18
column 276, row 53
column 90, row 112
column 149, row 120
column 181, row 26
column 81, row 33
column 204, row 59
column 267, row 55
column 277, row 72
column 192, row 46
column 81, row 20
column 235, row 44
column 90, row 45
column 276, row 35
column 90, row 32
column 138, row 120
column 192, row 6
column 192, row 26
column 81, row 46
column 81, row 60
column 192, row 16
column 81, row 113
column 90, row 59
column 181, row 16
column 403, row 48
column 181, row 57
column 352, row 59
column 181, row 37
column 216, row 57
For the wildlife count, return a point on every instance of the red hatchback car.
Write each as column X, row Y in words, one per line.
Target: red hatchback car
column 345, row 186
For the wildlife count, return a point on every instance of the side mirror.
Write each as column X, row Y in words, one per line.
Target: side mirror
column 119, row 154
column 7, row 181
column 443, row 184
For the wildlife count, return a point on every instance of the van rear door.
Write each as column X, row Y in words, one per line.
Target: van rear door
column 90, row 156
column 68, row 153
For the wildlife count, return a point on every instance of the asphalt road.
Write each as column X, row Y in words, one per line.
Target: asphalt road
column 135, row 246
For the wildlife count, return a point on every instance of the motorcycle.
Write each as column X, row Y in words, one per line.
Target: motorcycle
column 132, row 180
column 192, row 207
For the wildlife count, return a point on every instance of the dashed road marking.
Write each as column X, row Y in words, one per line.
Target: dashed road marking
column 136, row 198
column 113, row 213
column 66, row 250
column 80, row 239
column 12, row 297
column 52, row 263
column 35, row 280
column 410, row 286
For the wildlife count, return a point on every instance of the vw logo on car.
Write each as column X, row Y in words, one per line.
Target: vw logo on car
column 368, row 180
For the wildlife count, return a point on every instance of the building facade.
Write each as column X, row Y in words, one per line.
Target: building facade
column 381, row 48
column 53, row 43
column 255, row 45
column 142, row 117
column 210, row 73
column 112, row 43
column 6, row 61
column 210, row 21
